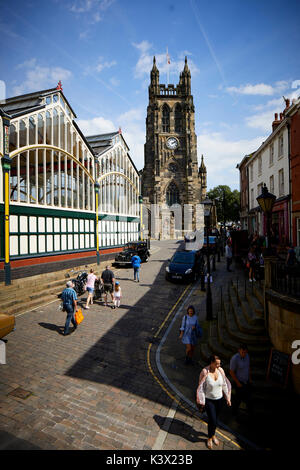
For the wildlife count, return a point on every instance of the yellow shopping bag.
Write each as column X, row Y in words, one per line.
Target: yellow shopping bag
column 79, row 316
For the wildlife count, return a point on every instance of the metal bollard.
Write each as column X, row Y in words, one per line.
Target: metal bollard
column 221, row 298
column 202, row 281
column 214, row 262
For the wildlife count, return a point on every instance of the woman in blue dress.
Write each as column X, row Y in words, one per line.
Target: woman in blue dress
column 190, row 331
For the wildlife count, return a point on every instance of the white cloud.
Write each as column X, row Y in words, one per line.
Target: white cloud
column 86, row 6
column 104, row 65
column 114, row 81
column 145, row 62
column 221, row 157
column 277, row 102
column 260, row 89
column 37, row 77
column 143, row 46
column 133, row 130
column 98, row 125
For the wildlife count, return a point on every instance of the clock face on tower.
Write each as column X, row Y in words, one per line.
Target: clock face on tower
column 172, row 143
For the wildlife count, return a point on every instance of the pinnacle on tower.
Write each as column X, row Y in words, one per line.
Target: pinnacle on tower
column 154, row 79
column 202, row 168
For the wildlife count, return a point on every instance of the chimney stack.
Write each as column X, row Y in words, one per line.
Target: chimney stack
column 275, row 123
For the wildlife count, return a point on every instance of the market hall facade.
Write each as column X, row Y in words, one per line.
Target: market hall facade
column 64, row 197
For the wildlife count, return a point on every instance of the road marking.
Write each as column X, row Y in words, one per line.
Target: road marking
column 162, row 373
column 162, row 435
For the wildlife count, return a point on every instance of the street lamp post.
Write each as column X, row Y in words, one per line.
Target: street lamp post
column 207, row 212
column 141, row 217
column 266, row 202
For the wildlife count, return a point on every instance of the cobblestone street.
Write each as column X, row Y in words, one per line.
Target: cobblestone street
column 93, row 389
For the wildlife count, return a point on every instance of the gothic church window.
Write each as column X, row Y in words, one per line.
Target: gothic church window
column 165, row 118
column 172, row 194
column 172, row 167
column 178, row 118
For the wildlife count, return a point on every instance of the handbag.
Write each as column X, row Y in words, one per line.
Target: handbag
column 198, row 331
column 79, row 316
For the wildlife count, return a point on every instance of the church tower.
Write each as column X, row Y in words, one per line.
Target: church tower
column 171, row 176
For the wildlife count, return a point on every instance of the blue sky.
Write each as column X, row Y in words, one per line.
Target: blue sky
column 243, row 56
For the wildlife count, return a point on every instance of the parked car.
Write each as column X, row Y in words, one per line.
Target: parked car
column 7, row 324
column 133, row 248
column 184, row 265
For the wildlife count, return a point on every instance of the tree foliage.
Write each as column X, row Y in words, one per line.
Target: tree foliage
column 227, row 203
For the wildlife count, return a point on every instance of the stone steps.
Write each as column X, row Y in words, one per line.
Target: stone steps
column 31, row 292
column 241, row 319
column 233, row 339
column 250, row 315
column 237, row 332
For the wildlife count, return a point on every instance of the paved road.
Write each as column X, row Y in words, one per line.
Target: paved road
column 96, row 388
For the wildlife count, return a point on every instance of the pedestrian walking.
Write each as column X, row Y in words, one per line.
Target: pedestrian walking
column 228, row 255
column 251, row 263
column 90, row 287
column 108, row 281
column 136, row 264
column 241, row 375
column 69, row 298
column 212, row 389
column 117, row 295
column 190, row 332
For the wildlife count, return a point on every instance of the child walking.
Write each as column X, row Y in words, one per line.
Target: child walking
column 117, row 295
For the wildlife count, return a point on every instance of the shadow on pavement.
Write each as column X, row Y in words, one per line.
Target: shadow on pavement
column 179, row 428
column 51, row 326
column 10, row 442
column 124, row 347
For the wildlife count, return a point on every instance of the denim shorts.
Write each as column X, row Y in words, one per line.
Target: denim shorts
column 90, row 290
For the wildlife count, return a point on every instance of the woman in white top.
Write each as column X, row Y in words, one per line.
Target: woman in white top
column 90, row 287
column 213, row 385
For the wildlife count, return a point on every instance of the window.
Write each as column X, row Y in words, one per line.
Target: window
column 259, row 162
column 178, row 118
column 172, row 194
column 272, row 184
column 251, row 172
column 259, row 189
column 280, row 146
column 281, row 182
column 12, row 138
column 271, row 159
column 166, row 118
column 32, row 127
column 172, row 167
column 252, row 198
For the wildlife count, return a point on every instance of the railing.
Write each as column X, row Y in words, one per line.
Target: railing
column 285, row 279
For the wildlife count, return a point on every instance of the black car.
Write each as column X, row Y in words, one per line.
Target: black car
column 133, row 248
column 184, row 265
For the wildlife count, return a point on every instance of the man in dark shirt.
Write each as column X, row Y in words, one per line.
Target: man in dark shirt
column 108, row 281
column 69, row 298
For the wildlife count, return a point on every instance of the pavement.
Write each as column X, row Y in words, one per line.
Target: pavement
column 118, row 382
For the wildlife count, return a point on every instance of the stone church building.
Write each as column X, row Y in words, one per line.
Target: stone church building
column 172, row 183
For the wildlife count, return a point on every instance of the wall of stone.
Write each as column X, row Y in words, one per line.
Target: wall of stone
column 283, row 322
